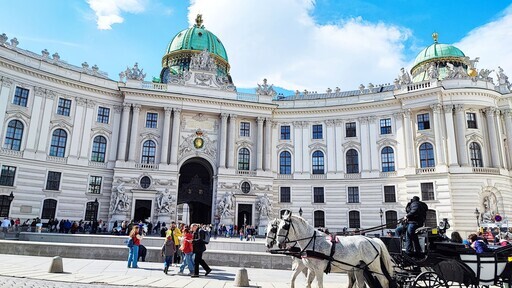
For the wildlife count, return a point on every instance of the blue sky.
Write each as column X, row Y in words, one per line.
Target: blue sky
column 296, row 44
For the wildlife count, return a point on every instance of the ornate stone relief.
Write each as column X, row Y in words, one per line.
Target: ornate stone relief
column 424, row 138
column 134, row 73
column 187, row 148
column 387, row 142
column 474, row 137
column 265, row 89
column 351, row 144
column 285, row 146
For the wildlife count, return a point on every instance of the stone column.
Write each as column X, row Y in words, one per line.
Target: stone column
column 114, row 142
column 275, row 137
column 268, row 139
column 86, row 133
column 76, row 138
column 400, row 152
column 438, row 134
column 297, row 142
column 450, row 136
column 365, row 145
column 306, row 136
column 259, row 155
column 372, row 138
column 176, row 122
column 5, row 91
column 338, row 150
column 331, row 146
column 508, row 133
column 134, row 133
column 123, row 136
column 408, row 133
column 35, row 120
column 461, row 135
column 164, row 155
column 500, row 131
column 493, row 137
column 44, row 133
column 231, row 141
column 223, row 139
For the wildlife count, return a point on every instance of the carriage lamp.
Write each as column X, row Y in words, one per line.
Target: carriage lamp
column 477, row 214
column 10, row 197
column 300, row 211
column 381, row 227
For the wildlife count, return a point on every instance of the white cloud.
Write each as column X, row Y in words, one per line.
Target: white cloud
column 491, row 42
column 279, row 40
column 108, row 12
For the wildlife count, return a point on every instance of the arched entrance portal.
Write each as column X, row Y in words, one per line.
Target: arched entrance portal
column 196, row 189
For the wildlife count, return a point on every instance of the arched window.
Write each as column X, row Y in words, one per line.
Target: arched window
column 13, row 135
column 285, row 163
column 49, row 208
column 59, row 139
column 243, row 159
column 99, row 148
column 352, row 158
column 148, row 152
column 91, row 211
column 476, row 155
column 427, row 155
column 319, row 220
column 5, row 206
column 391, row 219
column 387, row 156
column 318, row 162
column 354, row 220
column 431, row 220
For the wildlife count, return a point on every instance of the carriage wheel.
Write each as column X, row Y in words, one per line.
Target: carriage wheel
column 429, row 280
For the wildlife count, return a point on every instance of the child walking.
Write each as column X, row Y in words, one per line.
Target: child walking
column 168, row 252
column 186, row 248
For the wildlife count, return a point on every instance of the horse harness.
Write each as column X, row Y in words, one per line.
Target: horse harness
column 304, row 253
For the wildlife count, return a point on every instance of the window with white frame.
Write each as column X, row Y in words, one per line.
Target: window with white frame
column 385, row 126
column 354, row 220
column 285, row 132
column 475, row 152
column 317, row 131
column 14, row 135
column 389, row 194
column 243, row 159
column 245, row 129
column 391, row 219
column 427, row 191
column 7, row 175
column 319, row 218
column 103, row 115
column 471, row 120
column 20, row 97
column 350, row 129
column 64, row 107
column 148, row 152
column 95, row 184
column 285, row 195
column 387, row 157
column 49, row 209
column 151, row 120
column 353, row 194
column 318, row 195
column 99, row 149
column 285, row 163
column 53, row 181
column 423, row 121
column 91, row 211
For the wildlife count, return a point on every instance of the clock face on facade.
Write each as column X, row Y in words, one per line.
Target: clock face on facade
column 198, row 143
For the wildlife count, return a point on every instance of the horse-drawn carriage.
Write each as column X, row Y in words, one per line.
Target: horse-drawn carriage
column 381, row 262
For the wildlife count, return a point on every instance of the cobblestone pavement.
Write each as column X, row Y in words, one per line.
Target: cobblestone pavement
column 13, row 282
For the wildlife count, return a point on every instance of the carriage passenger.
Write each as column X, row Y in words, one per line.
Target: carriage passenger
column 478, row 245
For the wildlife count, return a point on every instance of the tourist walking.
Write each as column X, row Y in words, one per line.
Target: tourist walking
column 175, row 232
column 168, row 252
column 199, row 246
column 188, row 253
column 134, row 249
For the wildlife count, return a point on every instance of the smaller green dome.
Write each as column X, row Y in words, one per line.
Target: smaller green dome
column 437, row 51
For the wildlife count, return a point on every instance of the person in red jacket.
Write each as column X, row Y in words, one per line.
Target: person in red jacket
column 186, row 248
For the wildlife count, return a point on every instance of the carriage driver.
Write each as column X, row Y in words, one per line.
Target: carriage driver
column 415, row 218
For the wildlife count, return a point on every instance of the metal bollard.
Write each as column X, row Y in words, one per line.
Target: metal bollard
column 56, row 266
column 241, row 279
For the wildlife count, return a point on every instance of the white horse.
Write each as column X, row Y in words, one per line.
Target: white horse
column 351, row 252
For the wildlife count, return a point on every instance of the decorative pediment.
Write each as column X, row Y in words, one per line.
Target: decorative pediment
column 424, row 138
column 149, row 135
column 61, row 123
column 474, row 137
column 18, row 114
column 317, row 146
column 387, row 142
column 351, row 144
column 101, row 130
column 244, row 143
column 285, row 146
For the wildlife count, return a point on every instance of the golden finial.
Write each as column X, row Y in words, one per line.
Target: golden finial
column 199, row 20
column 435, row 36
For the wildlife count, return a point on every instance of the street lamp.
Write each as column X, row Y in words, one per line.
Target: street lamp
column 10, row 197
column 477, row 214
column 381, row 227
column 300, row 211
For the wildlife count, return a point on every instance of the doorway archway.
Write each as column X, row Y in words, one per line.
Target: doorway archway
column 196, row 189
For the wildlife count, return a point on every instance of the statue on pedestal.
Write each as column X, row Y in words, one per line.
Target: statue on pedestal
column 164, row 201
column 121, row 202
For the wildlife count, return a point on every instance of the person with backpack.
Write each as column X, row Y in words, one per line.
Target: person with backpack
column 168, row 252
column 416, row 215
column 199, row 246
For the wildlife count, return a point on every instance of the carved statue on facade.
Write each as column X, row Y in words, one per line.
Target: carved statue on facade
column 432, row 71
column 264, row 206
column 265, row 89
column 225, row 205
column 164, row 201
column 135, row 73
column 203, row 61
column 490, row 205
column 121, row 202
column 455, row 72
column 502, row 78
column 404, row 77
column 484, row 75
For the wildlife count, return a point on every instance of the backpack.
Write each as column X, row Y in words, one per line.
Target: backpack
column 206, row 238
column 129, row 243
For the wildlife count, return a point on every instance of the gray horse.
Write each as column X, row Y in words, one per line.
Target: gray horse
column 350, row 252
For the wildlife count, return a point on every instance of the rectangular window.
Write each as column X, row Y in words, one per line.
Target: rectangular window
column 471, row 119
column 350, row 129
column 151, row 120
column 245, row 129
column 385, row 126
column 317, row 132
column 285, row 195
column 423, row 121
column 20, row 97
column 285, row 132
column 318, row 195
column 64, row 107
column 427, row 191
column 389, row 194
column 7, row 176
column 53, row 181
column 95, row 184
column 353, row 195
column 103, row 115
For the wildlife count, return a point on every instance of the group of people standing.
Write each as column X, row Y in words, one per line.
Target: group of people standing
column 182, row 244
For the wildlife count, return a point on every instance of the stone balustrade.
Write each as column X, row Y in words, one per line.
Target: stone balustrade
column 146, row 166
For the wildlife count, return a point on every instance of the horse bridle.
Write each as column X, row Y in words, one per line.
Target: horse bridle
column 273, row 239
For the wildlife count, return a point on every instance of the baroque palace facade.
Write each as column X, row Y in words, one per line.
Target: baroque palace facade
column 189, row 147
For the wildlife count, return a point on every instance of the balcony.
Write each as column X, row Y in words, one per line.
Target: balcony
column 427, row 170
column 418, row 86
column 387, row 174
column 146, row 166
column 318, row 176
column 486, row 170
column 11, row 153
column 60, row 160
column 97, row 164
column 284, row 176
column 352, row 175
column 246, row 172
